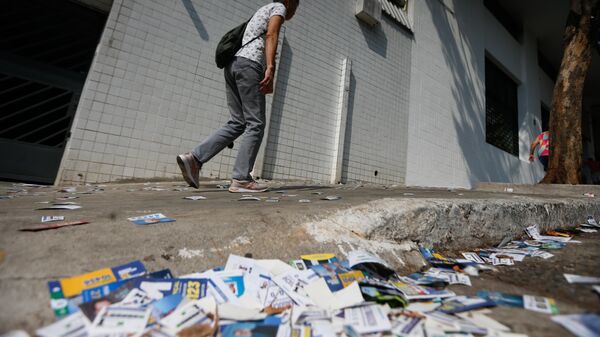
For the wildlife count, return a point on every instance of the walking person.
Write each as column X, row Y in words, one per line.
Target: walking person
column 543, row 143
column 248, row 78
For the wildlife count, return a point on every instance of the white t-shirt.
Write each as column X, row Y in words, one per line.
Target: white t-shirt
column 255, row 50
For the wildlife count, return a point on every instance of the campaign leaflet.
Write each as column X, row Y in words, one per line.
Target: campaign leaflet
column 101, row 291
column 250, row 329
column 415, row 292
column 462, row 303
column 65, row 294
column 154, row 288
column 335, row 273
column 150, row 219
column 533, row 303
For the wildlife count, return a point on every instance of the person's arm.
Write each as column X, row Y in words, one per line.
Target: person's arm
column 271, row 39
column 532, row 149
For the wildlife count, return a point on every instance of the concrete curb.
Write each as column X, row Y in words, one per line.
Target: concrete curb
column 395, row 226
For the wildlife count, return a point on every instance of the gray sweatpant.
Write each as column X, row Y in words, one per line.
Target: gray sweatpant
column 247, row 114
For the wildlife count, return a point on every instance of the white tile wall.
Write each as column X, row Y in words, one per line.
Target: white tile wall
column 447, row 99
column 154, row 91
column 416, row 108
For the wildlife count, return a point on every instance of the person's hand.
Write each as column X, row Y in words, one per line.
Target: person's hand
column 531, row 159
column 266, row 85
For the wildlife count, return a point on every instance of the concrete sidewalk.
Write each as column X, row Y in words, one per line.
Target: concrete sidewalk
column 387, row 220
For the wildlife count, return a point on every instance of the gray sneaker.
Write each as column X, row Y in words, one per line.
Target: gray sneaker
column 238, row 186
column 190, row 169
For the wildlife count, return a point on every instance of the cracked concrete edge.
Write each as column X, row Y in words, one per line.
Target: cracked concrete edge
column 393, row 228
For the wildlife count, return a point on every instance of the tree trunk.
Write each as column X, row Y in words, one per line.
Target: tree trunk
column 565, row 117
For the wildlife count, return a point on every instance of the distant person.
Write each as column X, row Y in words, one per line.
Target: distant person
column 543, row 143
column 248, row 78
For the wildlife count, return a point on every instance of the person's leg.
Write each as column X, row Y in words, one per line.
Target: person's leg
column 544, row 161
column 191, row 163
column 248, row 76
column 235, row 127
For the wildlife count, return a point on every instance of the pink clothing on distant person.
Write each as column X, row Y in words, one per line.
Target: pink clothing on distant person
column 544, row 141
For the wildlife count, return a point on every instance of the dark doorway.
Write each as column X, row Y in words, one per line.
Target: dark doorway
column 46, row 49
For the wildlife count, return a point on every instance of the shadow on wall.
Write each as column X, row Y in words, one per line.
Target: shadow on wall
column 483, row 162
column 375, row 38
column 283, row 76
column 189, row 7
column 348, row 132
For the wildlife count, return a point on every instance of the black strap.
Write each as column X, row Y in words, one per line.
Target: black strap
column 256, row 37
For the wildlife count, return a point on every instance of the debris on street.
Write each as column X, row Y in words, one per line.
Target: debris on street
column 50, row 218
column 195, row 197
column 52, row 225
column 150, row 219
column 64, row 205
column 315, row 295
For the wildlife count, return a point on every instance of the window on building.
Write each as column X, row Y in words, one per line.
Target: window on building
column 501, row 109
column 397, row 10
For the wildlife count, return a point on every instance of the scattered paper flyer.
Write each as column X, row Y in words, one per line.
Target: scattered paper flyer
column 75, row 325
column 50, row 218
column 249, row 198
column 62, row 206
column 584, row 325
column 502, row 261
column 120, row 320
column 195, row 197
column 356, row 257
column 571, row 278
column 533, row 303
column 192, row 313
column 405, row 325
column 473, row 257
column 150, row 219
column 65, row 294
column 53, row 225
column 544, row 255
column 596, row 289
column 534, row 233
column 367, row 319
column 319, row 293
column 331, row 198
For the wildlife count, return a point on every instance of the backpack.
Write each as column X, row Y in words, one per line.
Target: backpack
column 230, row 44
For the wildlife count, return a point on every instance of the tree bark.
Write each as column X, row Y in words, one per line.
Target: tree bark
column 566, row 147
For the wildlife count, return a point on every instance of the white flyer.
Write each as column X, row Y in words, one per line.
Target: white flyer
column 539, row 304
column 74, row 325
column 191, row 313
column 505, row 261
column 195, row 197
column 406, row 325
column 582, row 325
column 51, row 218
column 293, row 284
column 457, row 278
column 571, row 278
column 136, row 298
column 360, row 256
column 534, row 233
column 120, row 320
column 473, row 257
column 256, row 278
column 543, row 254
column 367, row 319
